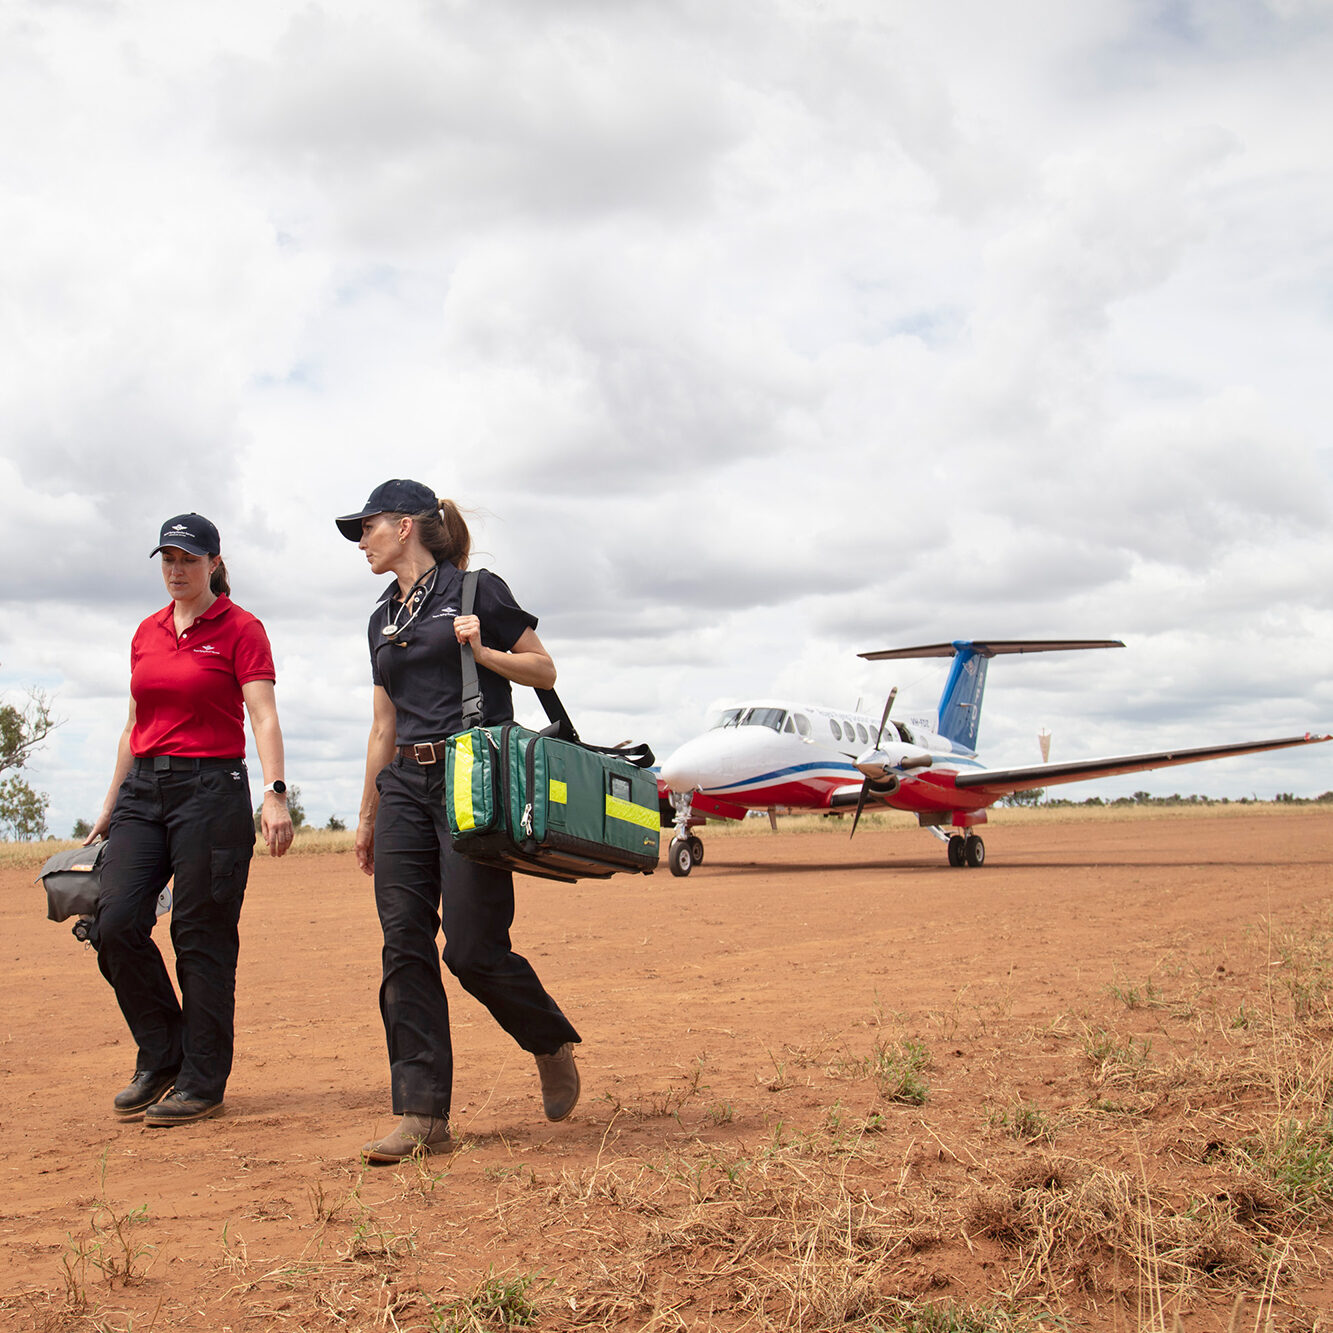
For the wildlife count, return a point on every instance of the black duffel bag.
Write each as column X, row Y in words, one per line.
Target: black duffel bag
column 72, row 880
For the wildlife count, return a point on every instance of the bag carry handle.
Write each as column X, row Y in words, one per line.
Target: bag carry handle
column 562, row 727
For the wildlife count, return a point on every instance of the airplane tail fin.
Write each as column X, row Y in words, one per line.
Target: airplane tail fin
column 960, row 704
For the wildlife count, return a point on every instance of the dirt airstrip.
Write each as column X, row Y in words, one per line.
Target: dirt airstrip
column 827, row 1084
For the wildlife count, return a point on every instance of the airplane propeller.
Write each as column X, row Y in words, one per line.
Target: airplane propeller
column 884, row 717
column 865, row 786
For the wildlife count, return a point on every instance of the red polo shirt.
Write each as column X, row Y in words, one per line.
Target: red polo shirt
column 187, row 691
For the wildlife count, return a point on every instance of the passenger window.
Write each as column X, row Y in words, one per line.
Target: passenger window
column 861, row 734
column 802, row 724
column 835, row 729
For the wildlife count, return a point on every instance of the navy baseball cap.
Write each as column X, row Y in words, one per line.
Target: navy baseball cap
column 389, row 497
column 192, row 533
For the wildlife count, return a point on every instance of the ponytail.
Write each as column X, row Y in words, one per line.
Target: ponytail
column 444, row 533
column 217, row 581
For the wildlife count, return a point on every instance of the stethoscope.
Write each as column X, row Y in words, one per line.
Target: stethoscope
column 412, row 604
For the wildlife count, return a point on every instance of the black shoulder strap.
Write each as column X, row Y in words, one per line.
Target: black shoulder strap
column 471, row 685
column 561, row 724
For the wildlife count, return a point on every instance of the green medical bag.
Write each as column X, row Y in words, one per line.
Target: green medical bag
column 545, row 803
column 548, row 807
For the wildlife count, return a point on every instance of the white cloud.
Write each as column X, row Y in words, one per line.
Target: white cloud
column 756, row 335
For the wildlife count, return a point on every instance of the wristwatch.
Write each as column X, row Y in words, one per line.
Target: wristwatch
column 278, row 787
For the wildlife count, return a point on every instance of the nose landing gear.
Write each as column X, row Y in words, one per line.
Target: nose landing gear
column 687, row 849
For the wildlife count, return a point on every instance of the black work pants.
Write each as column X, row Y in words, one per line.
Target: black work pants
column 421, row 883
column 197, row 827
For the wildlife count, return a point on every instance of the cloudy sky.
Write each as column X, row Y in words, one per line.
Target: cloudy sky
column 754, row 334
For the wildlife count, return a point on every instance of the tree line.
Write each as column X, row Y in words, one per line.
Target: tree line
column 22, row 730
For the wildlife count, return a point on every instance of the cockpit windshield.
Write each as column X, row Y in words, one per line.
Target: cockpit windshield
column 764, row 717
column 773, row 718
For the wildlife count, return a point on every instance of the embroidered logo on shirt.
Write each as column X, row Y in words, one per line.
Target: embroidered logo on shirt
column 207, row 648
column 448, row 611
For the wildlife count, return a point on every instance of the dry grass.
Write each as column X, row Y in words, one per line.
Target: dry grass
column 829, row 1224
column 1174, row 1157
column 757, row 825
column 319, row 841
column 1209, row 1187
column 307, row 842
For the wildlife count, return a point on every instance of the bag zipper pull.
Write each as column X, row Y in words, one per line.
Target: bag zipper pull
column 526, row 821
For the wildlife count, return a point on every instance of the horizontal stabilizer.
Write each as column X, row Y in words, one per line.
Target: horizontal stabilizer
column 991, row 647
column 960, row 704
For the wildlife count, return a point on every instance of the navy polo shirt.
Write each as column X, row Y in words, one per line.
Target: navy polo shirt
column 421, row 667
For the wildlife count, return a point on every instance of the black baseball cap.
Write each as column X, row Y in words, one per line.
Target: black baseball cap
column 389, row 497
column 192, row 533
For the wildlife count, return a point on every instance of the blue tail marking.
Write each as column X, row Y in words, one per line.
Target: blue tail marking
column 960, row 704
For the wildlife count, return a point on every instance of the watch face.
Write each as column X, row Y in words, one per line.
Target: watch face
column 278, row 788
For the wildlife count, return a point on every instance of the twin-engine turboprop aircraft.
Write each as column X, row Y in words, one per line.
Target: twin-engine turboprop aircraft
column 771, row 753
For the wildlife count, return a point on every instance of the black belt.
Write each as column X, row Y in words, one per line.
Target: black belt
column 428, row 752
column 178, row 763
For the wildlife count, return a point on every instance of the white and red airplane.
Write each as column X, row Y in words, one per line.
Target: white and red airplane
column 771, row 752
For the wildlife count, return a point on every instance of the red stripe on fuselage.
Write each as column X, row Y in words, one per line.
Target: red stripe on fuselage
column 923, row 793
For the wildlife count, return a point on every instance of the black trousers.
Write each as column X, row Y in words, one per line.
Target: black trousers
column 197, row 827
column 421, row 883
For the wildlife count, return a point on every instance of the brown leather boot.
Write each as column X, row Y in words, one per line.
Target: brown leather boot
column 560, row 1082
column 146, row 1087
column 179, row 1108
column 415, row 1134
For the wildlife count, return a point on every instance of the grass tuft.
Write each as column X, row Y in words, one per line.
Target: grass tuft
column 497, row 1303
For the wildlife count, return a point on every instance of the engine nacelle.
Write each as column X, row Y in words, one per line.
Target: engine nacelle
column 889, row 763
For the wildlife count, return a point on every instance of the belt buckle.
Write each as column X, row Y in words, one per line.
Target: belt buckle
column 161, row 763
column 429, row 748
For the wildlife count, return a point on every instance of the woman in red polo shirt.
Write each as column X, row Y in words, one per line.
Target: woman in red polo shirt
column 179, row 806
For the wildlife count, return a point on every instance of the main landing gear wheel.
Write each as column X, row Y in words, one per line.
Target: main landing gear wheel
column 974, row 850
column 696, row 849
column 956, row 850
column 680, row 859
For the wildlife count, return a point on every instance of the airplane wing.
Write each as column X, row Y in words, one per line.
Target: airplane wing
column 1001, row 781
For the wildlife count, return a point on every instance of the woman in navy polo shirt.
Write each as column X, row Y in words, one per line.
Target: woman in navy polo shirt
column 403, row 835
column 179, row 805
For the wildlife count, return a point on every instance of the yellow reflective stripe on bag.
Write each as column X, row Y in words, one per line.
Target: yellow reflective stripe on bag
column 558, row 792
column 631, row 813
column 464, row 818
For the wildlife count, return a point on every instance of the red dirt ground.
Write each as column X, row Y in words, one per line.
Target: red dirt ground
column 720, row 1013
